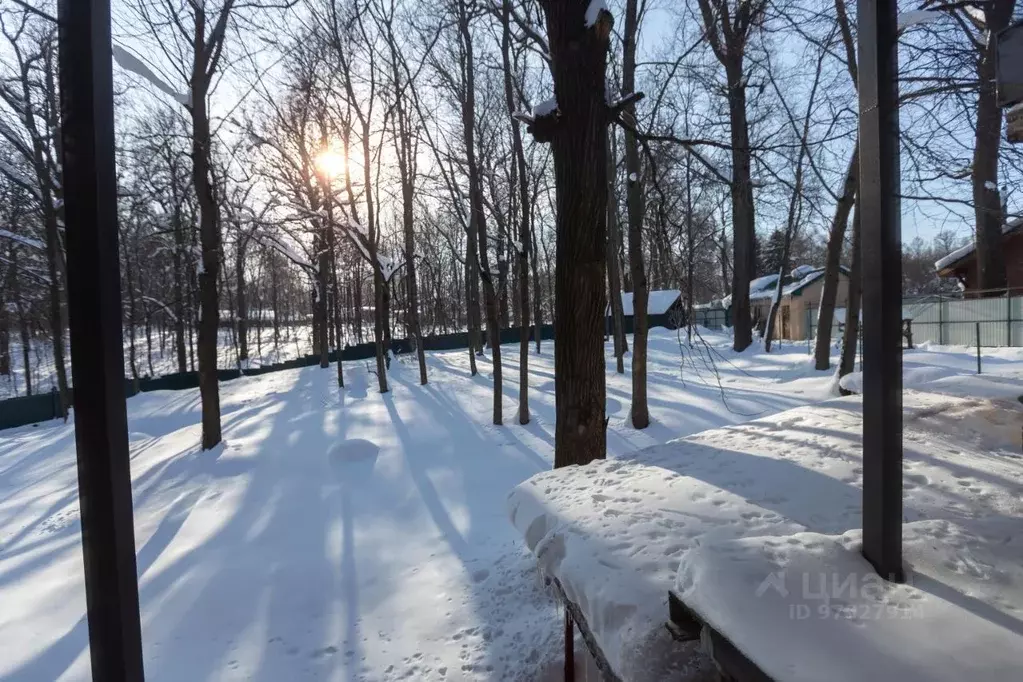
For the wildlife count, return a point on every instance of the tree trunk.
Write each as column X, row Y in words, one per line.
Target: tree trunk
column 412, row 315
column 852, row 312
column 614, row 278
column 519, row 173
column 26, row 352
column 537, row 289
column 987, row 203
column 337, row 311
column 242, row 313
column 55, row 316
column 477, row 220
column 179, row 293
column 275, row 305
column 472, row 299
column 744, row 229
column 640, row 412
column 5, row 341
column 209, row 236
column 23, row 323
column 322, row 272
column 5, row 323
column 132, row 313
column 833, row 261
column 577, row 130
column 776, row 300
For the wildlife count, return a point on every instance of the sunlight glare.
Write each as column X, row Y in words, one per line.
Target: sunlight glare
column 331, row 163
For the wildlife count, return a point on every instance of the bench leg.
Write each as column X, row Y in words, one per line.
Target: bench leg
column 569, row 648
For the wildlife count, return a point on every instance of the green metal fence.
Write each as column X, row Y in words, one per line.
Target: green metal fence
column 46, row 406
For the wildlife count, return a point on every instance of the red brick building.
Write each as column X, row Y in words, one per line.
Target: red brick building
column 962, row 263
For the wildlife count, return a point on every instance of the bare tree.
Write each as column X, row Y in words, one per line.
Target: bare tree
column 519, row 172
column 477, row 220
column 640, row 411
column 614, row 276
column 575, row 124
column 728, row 29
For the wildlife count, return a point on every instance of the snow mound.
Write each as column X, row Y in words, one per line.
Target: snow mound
column 612, row 533
column 818, row 592
column 948, row 381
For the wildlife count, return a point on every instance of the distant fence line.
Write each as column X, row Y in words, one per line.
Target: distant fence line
column 45, row 406
column 936, row 319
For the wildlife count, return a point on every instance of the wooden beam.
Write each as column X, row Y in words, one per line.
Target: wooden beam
column 879, row 210
column 733, row 664
column 97, row 353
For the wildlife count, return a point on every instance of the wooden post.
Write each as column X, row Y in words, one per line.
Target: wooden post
column 97, row 352
column 978, row 347
column 569, row 647
column 882, row 280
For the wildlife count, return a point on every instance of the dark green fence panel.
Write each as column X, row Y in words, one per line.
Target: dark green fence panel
column 361, row 351
column 46, row 406
column 446, row 341
column 27, row 410
column 170, row 382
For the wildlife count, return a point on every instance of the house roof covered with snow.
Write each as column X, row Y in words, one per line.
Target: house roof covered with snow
column 658, row 304
column 716, row 514
column 765, row 287
column 945, row 266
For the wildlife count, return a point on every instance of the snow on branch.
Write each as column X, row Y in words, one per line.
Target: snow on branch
column 543, row 120
column 593, row 11
column 388, row 266
column 546, row 108
column 18, row 177
column 14, row 138
column 130, row 62
column 917, row 16
column 27, row 241
column 162, row 305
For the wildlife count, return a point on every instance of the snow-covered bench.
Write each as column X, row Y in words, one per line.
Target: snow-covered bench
column 734, row 519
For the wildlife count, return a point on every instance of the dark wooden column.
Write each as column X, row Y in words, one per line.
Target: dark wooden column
column 879, row 209
column 97, row 361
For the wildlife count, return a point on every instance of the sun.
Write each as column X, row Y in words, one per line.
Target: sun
column 331, row 163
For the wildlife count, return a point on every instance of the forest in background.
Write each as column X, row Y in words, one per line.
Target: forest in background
column 373, row 168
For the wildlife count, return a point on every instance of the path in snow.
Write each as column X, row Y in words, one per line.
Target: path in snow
column 336, row 535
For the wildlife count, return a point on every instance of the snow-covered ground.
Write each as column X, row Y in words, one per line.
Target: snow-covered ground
column 344, row 534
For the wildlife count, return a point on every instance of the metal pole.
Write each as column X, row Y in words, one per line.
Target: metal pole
column 878, row 203
column 941, row 321
column 978, row 347
column 1008, row 318
column 97, row 355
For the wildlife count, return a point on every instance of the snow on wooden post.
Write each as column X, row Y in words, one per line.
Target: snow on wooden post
column 882, row 283
column 97, row 355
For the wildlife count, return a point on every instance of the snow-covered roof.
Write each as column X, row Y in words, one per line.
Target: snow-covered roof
column 801, row 271
column 807, row 275
column 658, row 303
column 742, row 504
column 765, row 287
column 761, row 284
column 964, row 251
column 807, row 279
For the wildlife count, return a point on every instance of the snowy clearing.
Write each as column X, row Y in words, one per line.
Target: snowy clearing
column 346, row 535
